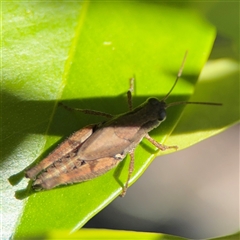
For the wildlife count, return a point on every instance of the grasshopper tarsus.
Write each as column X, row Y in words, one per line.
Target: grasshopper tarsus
column 159, row 145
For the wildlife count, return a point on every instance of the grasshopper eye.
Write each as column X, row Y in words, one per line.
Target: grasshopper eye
column 162, row 115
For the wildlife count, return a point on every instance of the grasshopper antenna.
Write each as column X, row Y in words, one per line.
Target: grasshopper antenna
column 178, row 76
column 200, row 103
column 185, row 102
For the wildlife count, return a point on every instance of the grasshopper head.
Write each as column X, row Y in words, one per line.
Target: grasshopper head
column 157, row 108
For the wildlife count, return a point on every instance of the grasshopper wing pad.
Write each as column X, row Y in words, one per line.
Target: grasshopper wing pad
column 65, row 148
column 80, row 172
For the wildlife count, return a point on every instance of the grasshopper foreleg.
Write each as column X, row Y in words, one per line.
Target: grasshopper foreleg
column 129, row 93
column 159, row 145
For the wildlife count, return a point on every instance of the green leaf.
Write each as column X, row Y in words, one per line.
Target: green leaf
column 108, row 234
column 83, row 53
column 116, row 234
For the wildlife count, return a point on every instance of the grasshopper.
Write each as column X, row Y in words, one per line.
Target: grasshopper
column 97, row 148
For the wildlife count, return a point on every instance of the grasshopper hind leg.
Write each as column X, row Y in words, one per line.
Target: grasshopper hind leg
column 87, row 111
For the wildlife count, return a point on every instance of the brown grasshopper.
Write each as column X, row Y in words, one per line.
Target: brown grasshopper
column 97, row 148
